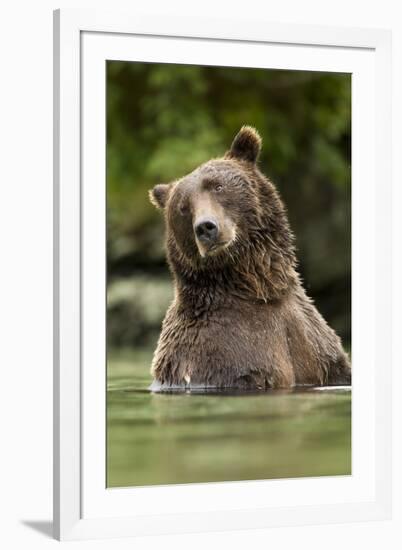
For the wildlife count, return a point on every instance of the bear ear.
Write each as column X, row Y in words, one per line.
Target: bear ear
column 159, row 195
column 246, row 145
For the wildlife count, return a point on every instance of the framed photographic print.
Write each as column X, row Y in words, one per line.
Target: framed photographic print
column 222, row 275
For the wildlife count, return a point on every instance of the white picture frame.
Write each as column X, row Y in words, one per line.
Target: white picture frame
column 83, row 506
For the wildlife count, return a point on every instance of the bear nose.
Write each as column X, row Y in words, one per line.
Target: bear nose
column 206, row 230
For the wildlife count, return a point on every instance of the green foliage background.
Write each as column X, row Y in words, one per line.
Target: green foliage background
column 164, row 120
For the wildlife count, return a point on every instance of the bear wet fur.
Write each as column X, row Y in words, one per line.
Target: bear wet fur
column 240, row 317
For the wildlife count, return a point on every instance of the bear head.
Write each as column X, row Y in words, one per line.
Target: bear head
column 226, row 222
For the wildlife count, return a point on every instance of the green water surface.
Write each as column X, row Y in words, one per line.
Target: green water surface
column 158, row 439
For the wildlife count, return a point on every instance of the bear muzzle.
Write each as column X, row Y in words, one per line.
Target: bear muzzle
column 207, row 236
column 206, row 231
column 210, row 238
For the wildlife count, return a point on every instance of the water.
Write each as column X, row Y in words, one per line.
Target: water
column 159, row 438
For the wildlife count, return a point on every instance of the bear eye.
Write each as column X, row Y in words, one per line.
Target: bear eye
column 219, row 188
column 183, row 209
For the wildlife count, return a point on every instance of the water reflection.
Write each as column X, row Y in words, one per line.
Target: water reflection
column 199, row 436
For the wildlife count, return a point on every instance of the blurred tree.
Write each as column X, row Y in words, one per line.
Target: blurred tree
column 164, row 120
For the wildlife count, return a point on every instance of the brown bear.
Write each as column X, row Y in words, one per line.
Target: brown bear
column 240, row 317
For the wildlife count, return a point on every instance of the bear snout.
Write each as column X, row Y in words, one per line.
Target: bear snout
column 206, row 231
